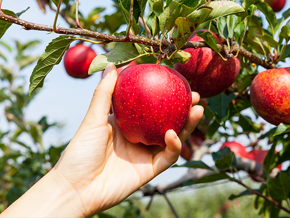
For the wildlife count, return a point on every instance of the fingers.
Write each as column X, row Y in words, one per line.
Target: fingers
column 195, row 98
column 101, row 102
column 169, row 156
column 195, row 114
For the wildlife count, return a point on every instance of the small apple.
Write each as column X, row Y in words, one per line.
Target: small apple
column 270, row 95
column 276, row 5
column 77, row 61
column 237, row 149
column 148, row 100
column 259, row 156
column 207, row 73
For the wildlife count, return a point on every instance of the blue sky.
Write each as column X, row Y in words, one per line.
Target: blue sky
column 65, row 99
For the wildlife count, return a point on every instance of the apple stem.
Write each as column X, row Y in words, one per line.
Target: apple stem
column 1, row 6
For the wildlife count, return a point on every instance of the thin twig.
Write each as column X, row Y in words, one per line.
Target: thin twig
column 169, row 203
column 267, row 198
column 77, row 16
column 56, row 16
column 131, row 20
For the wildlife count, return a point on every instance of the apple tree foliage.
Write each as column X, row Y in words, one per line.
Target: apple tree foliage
column 156, row 31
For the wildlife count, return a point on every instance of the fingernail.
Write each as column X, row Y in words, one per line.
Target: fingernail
column 108, row 70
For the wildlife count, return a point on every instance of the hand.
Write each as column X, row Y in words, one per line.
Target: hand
column 101, row 167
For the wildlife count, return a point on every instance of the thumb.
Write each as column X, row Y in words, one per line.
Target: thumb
column 101, row 102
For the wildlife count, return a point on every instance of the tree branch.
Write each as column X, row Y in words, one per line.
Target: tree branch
column 267, row 198
column 134, row 39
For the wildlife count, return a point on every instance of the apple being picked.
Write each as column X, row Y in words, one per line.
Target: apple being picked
column 207, row 73
column 77, row 61
column 270, row 95
column 148, row 100
column 237, row 149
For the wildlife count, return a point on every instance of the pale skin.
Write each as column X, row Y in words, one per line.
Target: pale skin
column 100, row 168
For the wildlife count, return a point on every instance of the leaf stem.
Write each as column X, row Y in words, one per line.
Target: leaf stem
column 56, row 16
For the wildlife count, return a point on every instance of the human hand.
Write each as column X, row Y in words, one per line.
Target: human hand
column 100, row 167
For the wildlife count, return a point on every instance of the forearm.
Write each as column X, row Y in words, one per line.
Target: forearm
column 51, row 196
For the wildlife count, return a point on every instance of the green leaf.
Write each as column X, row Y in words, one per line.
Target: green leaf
column 247, row 124
column 212, row 128
column 194, row 164
column 105, row 215
column 126, row 6
column 222, row 27
column 266, row 9
column 199, row 16
column 209, row 39
column 56, row 2
column 270, row 40
column 4, row 25
column 153, row 24
column 158, row 7
column 122, row 54
column 181, row 32
column 94, row 14
column 25, row 61
column 6, row 46
column 280, row 186
column 206, row 179
column 231, row 24
column 282, row 128
column 169, row 15
column 243, row 193
column 22, row 12
column 51, row 56
column 3, row 56
column 269, row 160
column 223, row 8
column 219, row 106
column 224, row 159
column 36, row 132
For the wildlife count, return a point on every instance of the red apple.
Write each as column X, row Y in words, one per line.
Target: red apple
column 77, row 61
column 207, row 73
column 237, row 148
column 150, row 99
column 195, row 139
column 276, row 5
column 270, row 95
column 259, row 156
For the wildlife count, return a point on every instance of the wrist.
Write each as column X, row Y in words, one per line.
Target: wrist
column 52, row 196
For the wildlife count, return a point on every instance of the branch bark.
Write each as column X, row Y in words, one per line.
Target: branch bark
column 106, row 38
